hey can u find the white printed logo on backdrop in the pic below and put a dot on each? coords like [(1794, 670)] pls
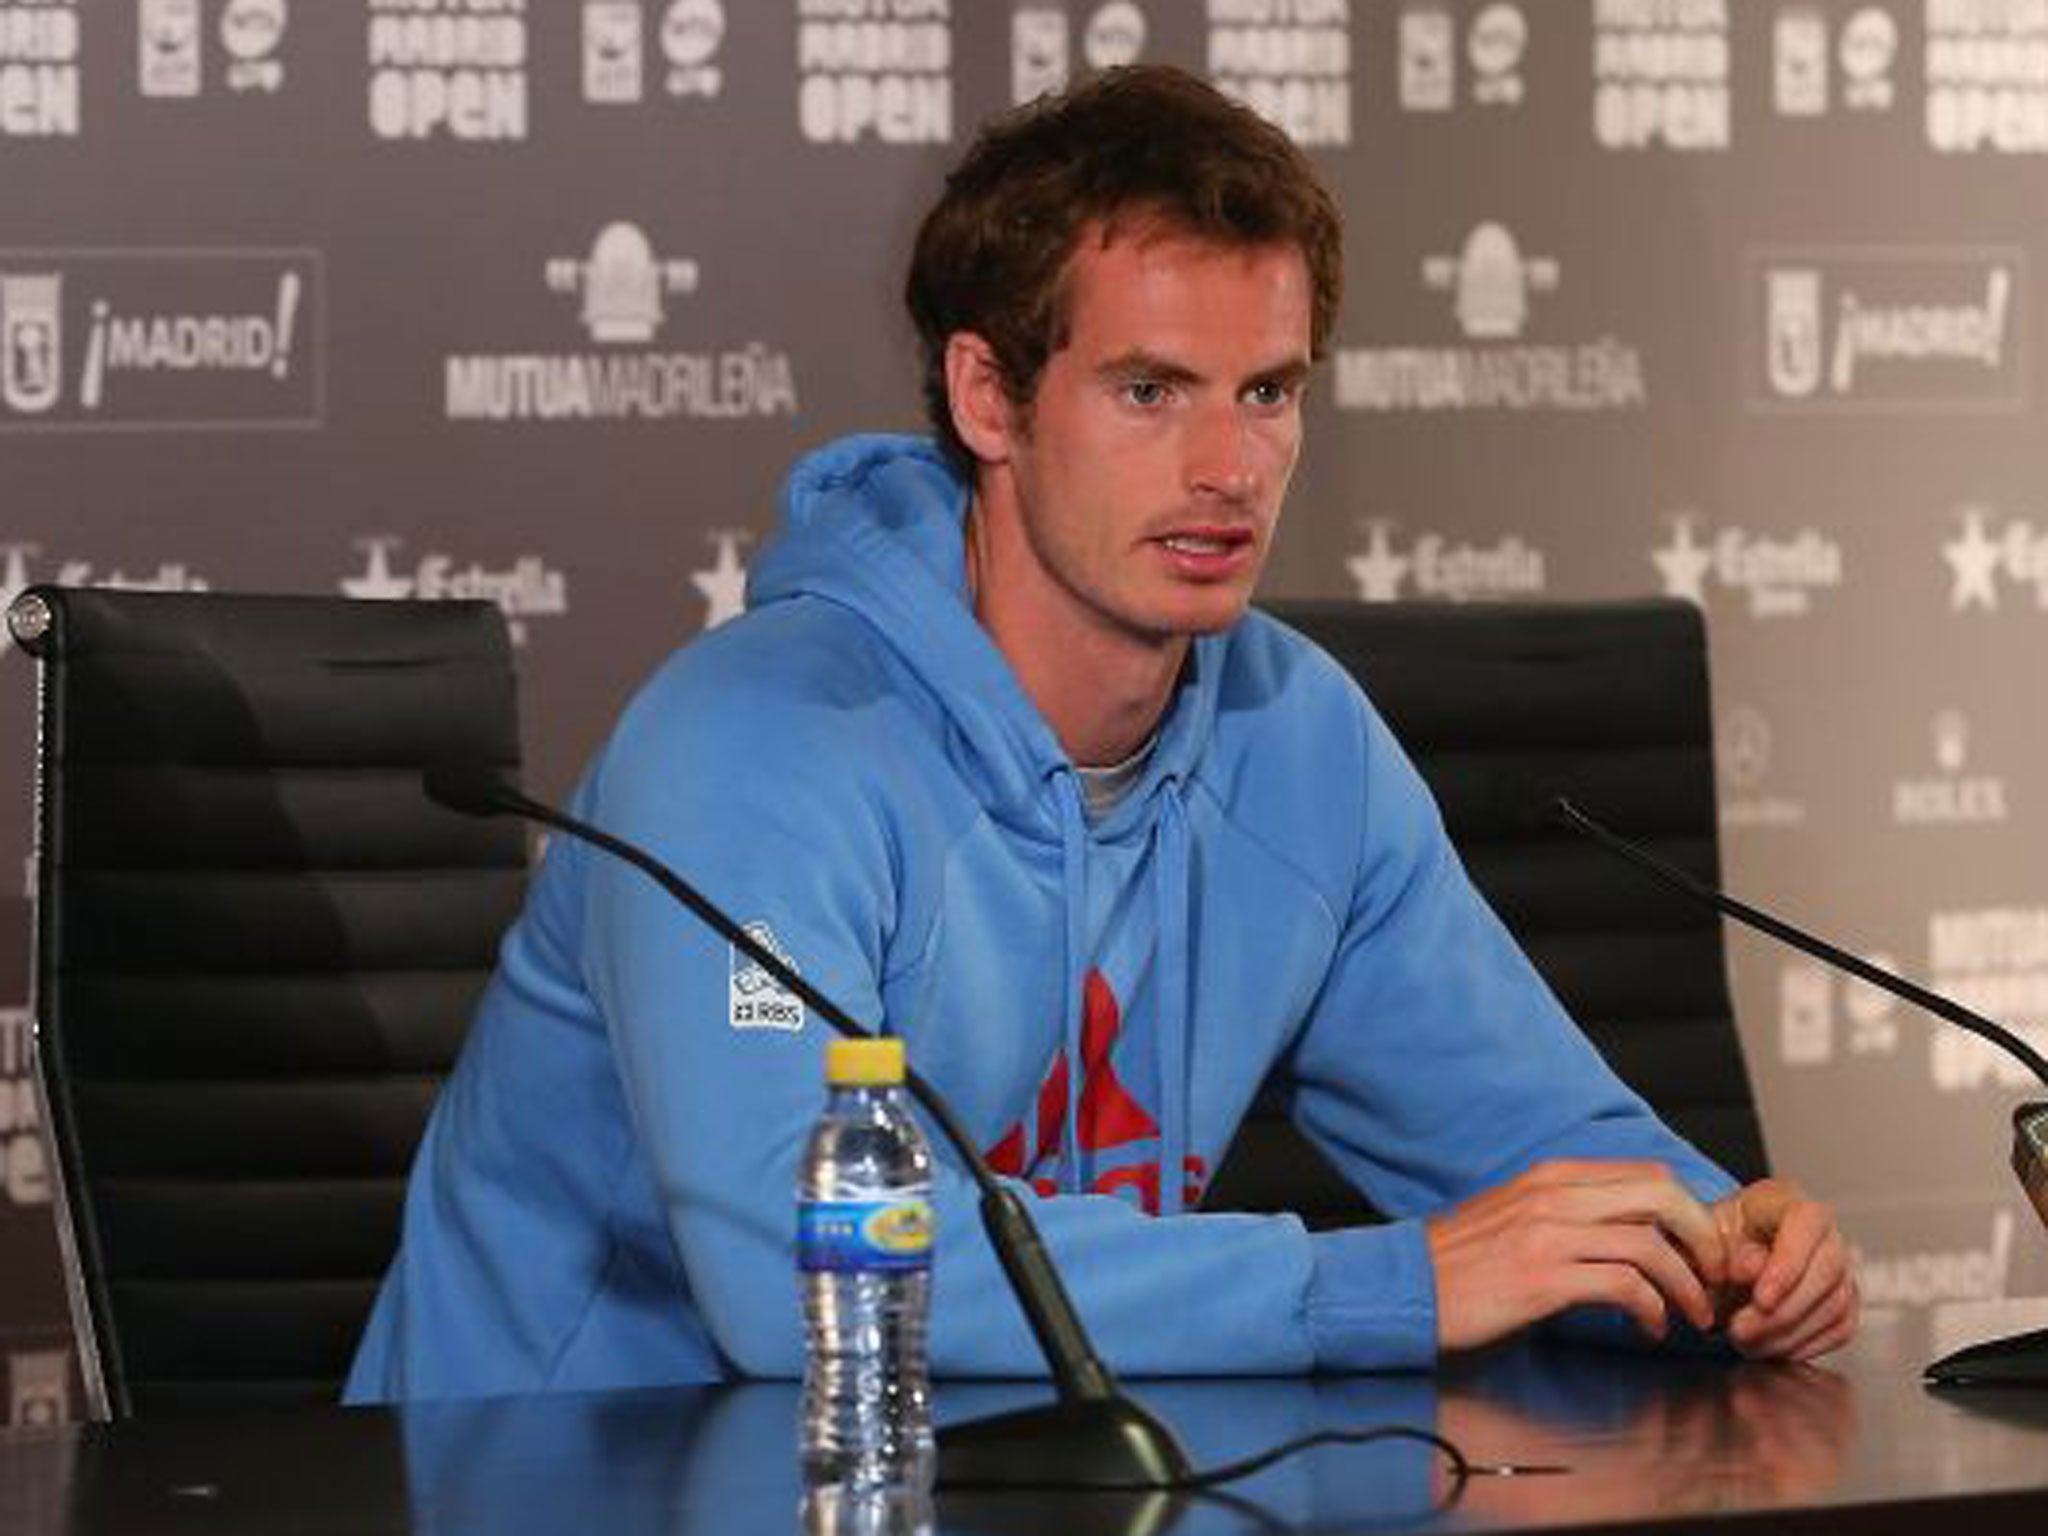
[(252, 31), (160, 338), (887, 81), (1428, 57), (1888, 329), (1804, 60), (1745, 752), (1778, 576), (1041, 48), (170, 46), (1494, 46), (1039, 64), (621, 291), (39, 69), (689, 34), (1987, 551), (1799, 61), (1813, 1000), (1290, 63), (1114, 36), (167, 47), (1925, 1277), (723, 584), (1993, 960), (18, 574), (1987, 76), (39, 1388), (1492, 287), (614, 51), (1952, 796), (453, 69), (1660, 74), (24, 1158), (529, 588), (1451, 570)]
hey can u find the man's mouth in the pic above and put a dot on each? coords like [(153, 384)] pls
[(1206, 541), (1209, 554)]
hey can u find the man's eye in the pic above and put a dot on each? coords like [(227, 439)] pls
[(1269, 392), (1145, 392)]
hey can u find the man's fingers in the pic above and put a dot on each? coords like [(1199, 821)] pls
[(1624, 1287), (1662, 1201), (1798, 1237), (1829, 1327), (1791, 1331), (1572, 1233), (1827, 1265)]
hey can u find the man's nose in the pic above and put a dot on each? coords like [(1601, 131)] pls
[(1220, 456)]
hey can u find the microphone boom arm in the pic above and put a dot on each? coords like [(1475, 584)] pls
[(1806, 943)]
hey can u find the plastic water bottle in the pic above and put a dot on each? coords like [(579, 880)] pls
[(864, 1248)]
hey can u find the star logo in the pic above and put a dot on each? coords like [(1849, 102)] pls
[(1973, 559), (1742, 748), (377, 580), (1683, 563), (1379, 571), (725, 585)]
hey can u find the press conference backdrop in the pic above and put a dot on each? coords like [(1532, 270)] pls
[(535, 300)]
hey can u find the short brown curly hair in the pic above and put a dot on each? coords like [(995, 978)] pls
[(1144, 142)]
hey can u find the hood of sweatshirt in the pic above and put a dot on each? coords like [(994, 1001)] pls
[(876, 524)]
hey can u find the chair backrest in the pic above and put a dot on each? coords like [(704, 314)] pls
[(1503, 706), (257, 947)]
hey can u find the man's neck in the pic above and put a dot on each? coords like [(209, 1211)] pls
[(1103, 690)]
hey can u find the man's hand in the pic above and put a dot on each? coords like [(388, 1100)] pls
[(1624, 1234), (1790, 1293)]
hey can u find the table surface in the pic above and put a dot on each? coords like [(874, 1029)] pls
[(1856, 1446)]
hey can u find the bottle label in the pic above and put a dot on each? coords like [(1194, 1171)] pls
[(863, 1235)]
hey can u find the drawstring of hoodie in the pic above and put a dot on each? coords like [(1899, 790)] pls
[(1170, 891), (1073, 968)]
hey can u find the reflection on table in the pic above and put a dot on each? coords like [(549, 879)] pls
[(1857, 1447)]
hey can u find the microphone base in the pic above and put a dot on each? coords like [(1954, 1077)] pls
[(2019, 1361), (1100, 1442)]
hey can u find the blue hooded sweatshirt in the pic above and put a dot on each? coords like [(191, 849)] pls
[(604, 1196)]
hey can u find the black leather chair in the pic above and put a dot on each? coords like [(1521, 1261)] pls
[(1503, 706), (257, 947)]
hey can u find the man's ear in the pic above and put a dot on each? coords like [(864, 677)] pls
[(982, 413)]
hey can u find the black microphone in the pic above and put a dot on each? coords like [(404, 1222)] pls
[(2023, 1358), (1094, 1436)]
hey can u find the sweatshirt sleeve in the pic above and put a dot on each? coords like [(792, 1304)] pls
[(722, 1098), (1436, 1062)]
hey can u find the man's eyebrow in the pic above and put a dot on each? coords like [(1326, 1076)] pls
[(1140, 364), (1290, 372)]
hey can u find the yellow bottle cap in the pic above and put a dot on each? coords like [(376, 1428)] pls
[(864, 1063)]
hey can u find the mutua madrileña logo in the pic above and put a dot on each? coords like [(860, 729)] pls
[(622, 292), (1493, 287)]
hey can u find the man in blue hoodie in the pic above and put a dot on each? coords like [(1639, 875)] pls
[(999, 757)]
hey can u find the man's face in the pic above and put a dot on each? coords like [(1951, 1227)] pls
[(1151, 464)]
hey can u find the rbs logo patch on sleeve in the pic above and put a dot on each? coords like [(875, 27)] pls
[(754, 999)]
